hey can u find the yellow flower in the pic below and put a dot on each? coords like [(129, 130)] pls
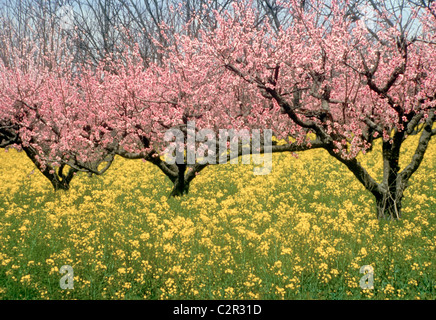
[(323, 266), (49, 261), (412, 282), (136, 254), (334, 272), (280, 291), (229, 292), (25, 279), (144, 236), (298, 269), (389, 289), (286, 251)]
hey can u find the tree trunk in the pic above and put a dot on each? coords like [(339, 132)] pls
[(389, 200), (389, 206), (57, 183), (58, 180), (181, 186)]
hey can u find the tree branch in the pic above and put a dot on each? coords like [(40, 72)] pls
[(418, 156), (359, 172)]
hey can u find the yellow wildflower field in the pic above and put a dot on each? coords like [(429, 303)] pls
[(302, 232)]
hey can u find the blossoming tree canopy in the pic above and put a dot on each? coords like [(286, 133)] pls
[(48, 115), (334, 76), (73, 115)]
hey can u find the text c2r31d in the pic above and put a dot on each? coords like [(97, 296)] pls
[(236, 309)]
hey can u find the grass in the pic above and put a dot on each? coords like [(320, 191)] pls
[(301, 232)]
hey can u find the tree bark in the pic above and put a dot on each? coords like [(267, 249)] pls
[(389, 205), (58, 180), (180, 187), (185, 176)]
